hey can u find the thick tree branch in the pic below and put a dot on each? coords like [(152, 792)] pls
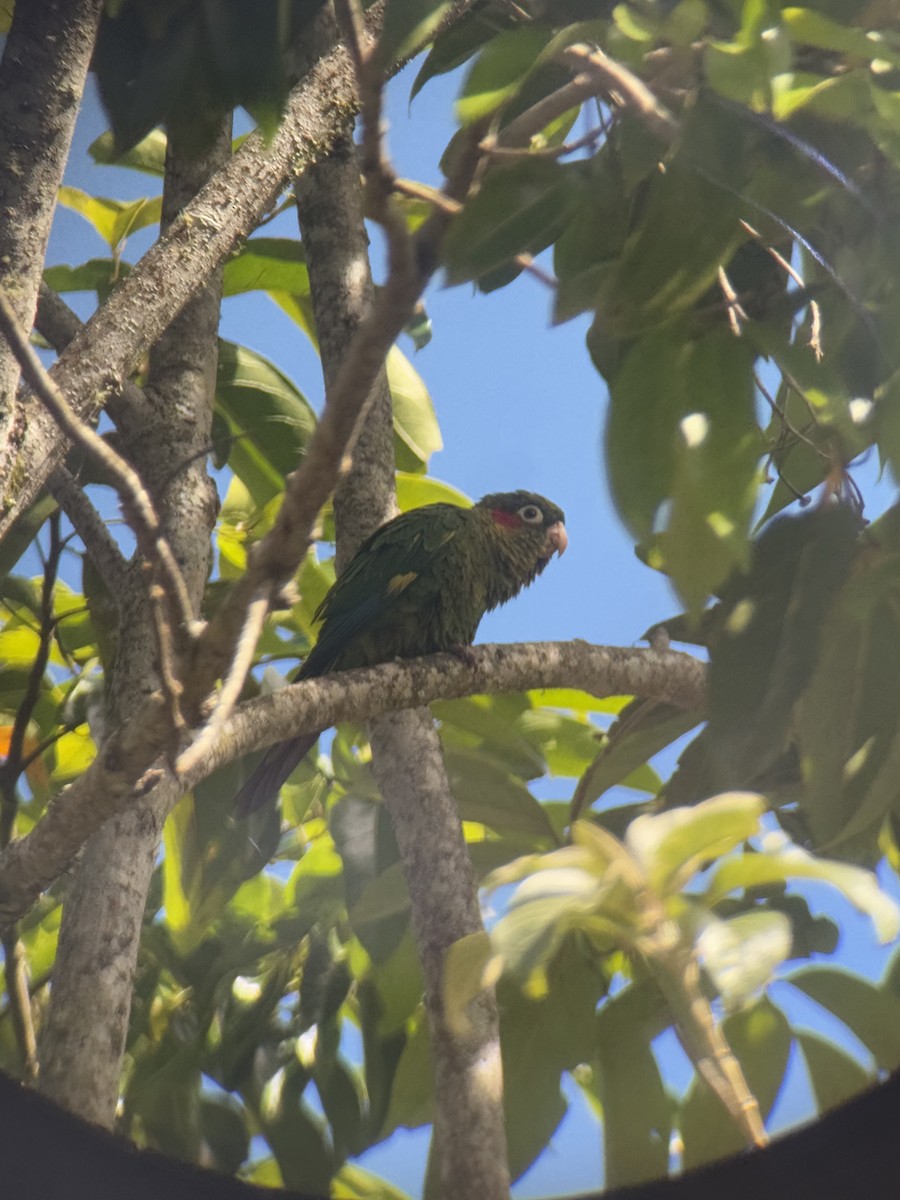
[(369, 692), (58, 324), (90, 527), (102, 356), (469, 1140), (42, 76), (469, 1131), (83, 1035), (139, 509), (34, 861)]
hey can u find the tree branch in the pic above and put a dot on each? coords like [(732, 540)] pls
[(45, 62), (34, 861), (90, 527), (85, 1027), (100, 358), (137, 505)]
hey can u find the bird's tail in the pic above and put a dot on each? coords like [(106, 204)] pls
[(265, 783)]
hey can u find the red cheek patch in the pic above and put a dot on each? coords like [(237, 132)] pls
[(511, 520)]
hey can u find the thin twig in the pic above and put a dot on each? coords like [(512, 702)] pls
[(735, 312), (91, 528), (421, 191), (14, 956), (136, 502), (815, 313), (11, 769), (257, 611), (16, 971), (624, 87), (522, 129), (172, 688), (495, 148)]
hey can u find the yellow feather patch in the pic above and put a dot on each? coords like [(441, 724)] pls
[(399, 582)]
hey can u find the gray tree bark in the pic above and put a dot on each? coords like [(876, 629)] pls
[(469, 1133), (83, 1037), (42, 77)]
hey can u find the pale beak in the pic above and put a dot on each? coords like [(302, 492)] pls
[(557, 539), (554, 543)]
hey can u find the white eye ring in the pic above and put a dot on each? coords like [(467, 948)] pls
[(531, 513)]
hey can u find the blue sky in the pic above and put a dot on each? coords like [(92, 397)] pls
[(520, 405)]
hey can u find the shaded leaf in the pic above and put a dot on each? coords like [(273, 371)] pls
[(520, 208), (871, 1012)]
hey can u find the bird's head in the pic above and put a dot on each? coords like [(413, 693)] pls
[(536, 524)]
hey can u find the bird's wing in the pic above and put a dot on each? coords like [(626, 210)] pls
[(395, 556)]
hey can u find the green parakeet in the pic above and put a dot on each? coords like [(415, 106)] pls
[(421, 583)]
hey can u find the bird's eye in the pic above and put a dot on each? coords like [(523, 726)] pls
[(531, 513)]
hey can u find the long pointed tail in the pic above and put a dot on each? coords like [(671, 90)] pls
[(265, 783)]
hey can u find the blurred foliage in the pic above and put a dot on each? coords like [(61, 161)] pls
[(740, 280)]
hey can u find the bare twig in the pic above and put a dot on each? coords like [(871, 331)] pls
[(136, 502), (172, 688), (90, 527), (14, 957), (11, 769), (521, 129), (257, 611), (495, 149), (735, 312), (421, 191), (59, 324), (16, 972), (815, 314), (623, 87)]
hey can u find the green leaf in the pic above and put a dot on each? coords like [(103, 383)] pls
[(760, 1039), (270, 420), (114, 220), (628, 745), (767, 636), (24, 531), (223, 1128), (871, 1012), (834, 1075), (689, 228), (464, 973), (637, 1111), (408, 25), (540, 1039), (779, 862), (543, 910), (499, 71), (672, 846), (849, 737), (297, 1137), (520, 208), (742, 954), (812, 28), (490, 794), (455, 46), (681, 428), (96, 275), (353, 1182), (417, 434), (149, 155), (415, 490), (267, 264)]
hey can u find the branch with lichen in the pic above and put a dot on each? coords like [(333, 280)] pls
[(128, 759)]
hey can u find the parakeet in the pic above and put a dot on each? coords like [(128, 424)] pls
[(421, 583)]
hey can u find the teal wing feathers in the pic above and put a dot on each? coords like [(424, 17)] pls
[(404, 555)]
